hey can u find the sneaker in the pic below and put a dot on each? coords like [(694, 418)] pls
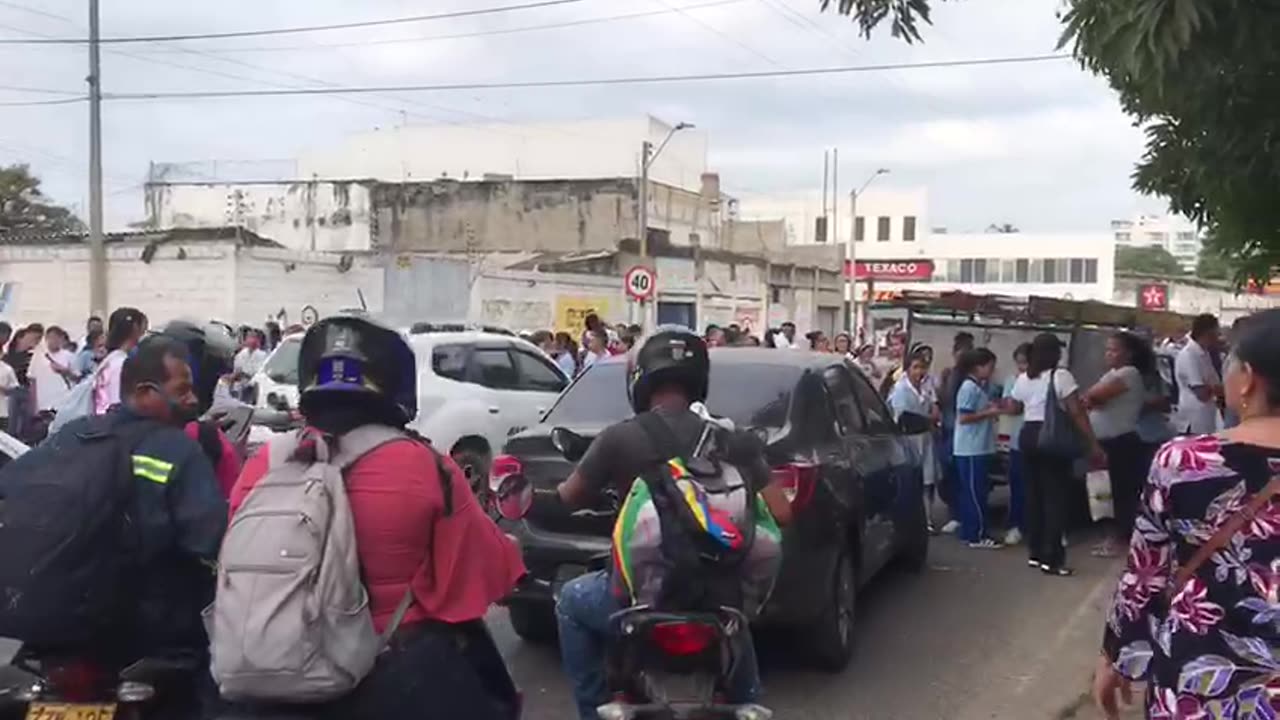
[(932, 530), (1034, 564), (1013, 537), (985, 544), (1057, 571), (951, 527)]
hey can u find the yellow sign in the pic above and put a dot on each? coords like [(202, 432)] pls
[(572, 311), (65, 711)]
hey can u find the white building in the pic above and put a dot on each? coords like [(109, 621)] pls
[(1174, 233), (888, 214), (1074, 267)]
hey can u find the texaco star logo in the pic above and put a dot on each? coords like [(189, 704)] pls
[(1153, 297)]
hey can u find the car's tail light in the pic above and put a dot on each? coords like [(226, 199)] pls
[(798, 481), (683, 638), (75, 680), (503, 467)]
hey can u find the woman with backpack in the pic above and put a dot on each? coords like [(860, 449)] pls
[(429, 558)]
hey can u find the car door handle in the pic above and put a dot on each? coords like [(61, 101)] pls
[(493, 410)]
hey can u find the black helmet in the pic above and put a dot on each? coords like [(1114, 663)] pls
[(211, 353), (358, 356), (672, 354)]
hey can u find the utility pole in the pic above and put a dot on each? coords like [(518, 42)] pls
[(851, 317), (97, 248), (835, 194), (646, 149)]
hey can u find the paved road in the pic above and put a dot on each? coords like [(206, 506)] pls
[(977, 636)]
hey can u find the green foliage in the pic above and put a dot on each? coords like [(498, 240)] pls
[(23, 207), (904, 16), (1147, 261), (1212, 266)]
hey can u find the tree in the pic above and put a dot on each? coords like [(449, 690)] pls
[(1212, 266), (24, 208), (1147, 261), (1199, 77)]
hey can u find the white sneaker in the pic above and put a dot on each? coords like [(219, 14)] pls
[(951, 527), (1013, 537)]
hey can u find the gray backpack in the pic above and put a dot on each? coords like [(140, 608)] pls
[(290, 621)]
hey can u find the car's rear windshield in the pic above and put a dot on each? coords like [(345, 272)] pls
[(751, 394), (282, 366)]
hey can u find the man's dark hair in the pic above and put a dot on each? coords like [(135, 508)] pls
[(710, 329), (1046, 353), (55, 330), (146, 365), (124, 321), (1024, 350), (962, 341), (93, 319), (1202, 324), (540, 336), (789, 324)]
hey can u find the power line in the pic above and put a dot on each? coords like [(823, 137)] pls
[(40, 91), (295, 30), (474, 34), (719, 33), (34, 103), (637, 80)]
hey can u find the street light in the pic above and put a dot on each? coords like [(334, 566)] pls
[(850, 256), (647, 156)]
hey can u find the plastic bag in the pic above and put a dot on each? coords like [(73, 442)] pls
[(1098, 484)]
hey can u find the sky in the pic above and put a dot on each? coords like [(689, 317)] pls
[(1043, 146)]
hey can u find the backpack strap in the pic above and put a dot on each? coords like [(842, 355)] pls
[(663, 438), (1229, 527)]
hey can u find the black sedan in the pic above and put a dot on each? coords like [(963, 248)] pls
[(851, 473)]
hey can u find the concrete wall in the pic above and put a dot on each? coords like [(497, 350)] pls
[(534, 151), (202, 281), (302, 215), (1195, 298)]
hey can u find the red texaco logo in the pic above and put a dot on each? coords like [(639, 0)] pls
[(1154, 297)]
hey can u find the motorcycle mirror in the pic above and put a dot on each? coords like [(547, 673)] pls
[(514, 497), (568, 443)]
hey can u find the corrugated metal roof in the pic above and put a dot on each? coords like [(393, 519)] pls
[(215, 234)]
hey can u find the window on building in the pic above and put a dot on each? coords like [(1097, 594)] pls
[(966, 271), (1061, 270), (1077, 270), (979, 270), (820, 229), (1090, 270), (1050, 267), (1007, 271), (993, 270), (955, 270), (1021, 271), (909, 228), (1157, 238), (882, 228), (1186, 236), (859, 228), (1124, 237), (1037, 272)]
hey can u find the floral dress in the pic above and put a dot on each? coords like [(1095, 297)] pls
[(1212, 652)]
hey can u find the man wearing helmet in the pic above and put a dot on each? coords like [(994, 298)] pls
[(666, 373), (419, 531)]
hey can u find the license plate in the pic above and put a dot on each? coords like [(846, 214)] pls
[(71, 711)]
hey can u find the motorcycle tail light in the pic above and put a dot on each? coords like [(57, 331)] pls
[(76, 680), (798, 481), (680, 639)]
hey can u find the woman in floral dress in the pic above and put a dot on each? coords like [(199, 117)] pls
[(1213, 650)]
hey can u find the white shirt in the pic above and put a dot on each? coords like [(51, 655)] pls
[(51, 387), (249, 362), (589, 358), (1033, 393), (8, 381), (106, 386), (1193, 369)]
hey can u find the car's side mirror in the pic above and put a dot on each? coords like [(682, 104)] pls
[(914, 424), (514, 497), (570, 444)]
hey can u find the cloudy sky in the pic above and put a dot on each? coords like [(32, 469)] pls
[(1044, 146)]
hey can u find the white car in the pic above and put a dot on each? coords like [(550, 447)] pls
[(475, 388)]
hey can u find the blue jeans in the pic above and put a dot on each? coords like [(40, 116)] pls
[(583, 612), (970, 505), (1017, 490)]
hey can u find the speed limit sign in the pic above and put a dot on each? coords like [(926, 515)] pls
[(641, 282)]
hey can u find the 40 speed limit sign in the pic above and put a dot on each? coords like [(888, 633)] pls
[(641, 283)]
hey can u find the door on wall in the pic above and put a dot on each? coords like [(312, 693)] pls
[(677, 313)]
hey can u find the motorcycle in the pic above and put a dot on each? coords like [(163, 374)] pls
[(661, 665), (35, 687)]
